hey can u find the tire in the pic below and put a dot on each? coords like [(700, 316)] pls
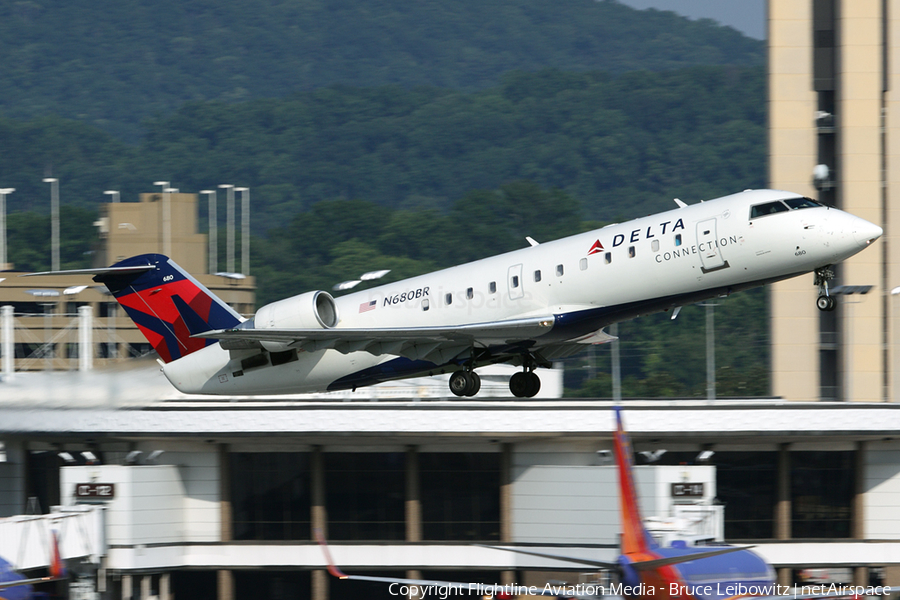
[(534, 385), (519, 385), (459, 383), (825, 303), (474, 383)]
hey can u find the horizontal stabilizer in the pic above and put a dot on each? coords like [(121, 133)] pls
[(579, 561), (648, 565), (131, 269)]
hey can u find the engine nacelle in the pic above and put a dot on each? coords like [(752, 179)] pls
[(312, 310)]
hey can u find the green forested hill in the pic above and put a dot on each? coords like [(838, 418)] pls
[(623, 145), (112, 63)]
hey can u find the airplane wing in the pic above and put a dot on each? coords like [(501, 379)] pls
[(440, 343)]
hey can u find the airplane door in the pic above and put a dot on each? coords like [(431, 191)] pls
[(708, 247), (514, 282)]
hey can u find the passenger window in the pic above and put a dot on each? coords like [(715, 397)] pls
[(654, 245), (449, 298), (582, 264), (769, 208), (559, 270), (630, 251), (677, 239), (515, 281), (470, 293), (608, 257), (425, 304), (493, 287), (537, 275)]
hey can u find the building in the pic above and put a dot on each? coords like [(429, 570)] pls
[(219, 499), (45, 329), (833, 108)]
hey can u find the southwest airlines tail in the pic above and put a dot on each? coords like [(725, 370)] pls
[(57, 568), (635, 537), (166, 303)]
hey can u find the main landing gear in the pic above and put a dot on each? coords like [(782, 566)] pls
[(465, 383), (525, 384), (825, 301)]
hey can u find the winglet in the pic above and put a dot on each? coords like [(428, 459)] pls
[(680, 203), (332, 569)]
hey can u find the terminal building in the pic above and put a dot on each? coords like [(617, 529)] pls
[(158, 494)]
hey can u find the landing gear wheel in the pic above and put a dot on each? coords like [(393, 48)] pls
[(475, 383), (822, 276), (825, 303), (524, 385), (465, 383)]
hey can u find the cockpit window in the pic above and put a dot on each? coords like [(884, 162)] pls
[(769, 208), (796, 203)]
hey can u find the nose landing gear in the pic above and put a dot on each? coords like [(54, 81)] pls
[(825, 301)]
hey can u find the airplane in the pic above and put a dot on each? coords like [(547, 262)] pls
[(14, 586), (527, 307), (644, 569)]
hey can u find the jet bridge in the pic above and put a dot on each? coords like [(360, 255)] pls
[(25, 540)]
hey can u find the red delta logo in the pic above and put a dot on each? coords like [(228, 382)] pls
[(597, 247)]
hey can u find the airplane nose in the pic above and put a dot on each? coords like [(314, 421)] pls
[(866, 233)]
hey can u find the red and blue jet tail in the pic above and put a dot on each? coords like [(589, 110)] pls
[(166, 303)]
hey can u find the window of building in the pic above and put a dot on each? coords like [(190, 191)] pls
[(749, 516), (583, 264), (537, 275), (270, 495), (365, 495), (460, 495), (492, 287), (821, 494), (559, 270)]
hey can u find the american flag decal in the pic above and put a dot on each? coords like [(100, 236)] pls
[(367, 306)]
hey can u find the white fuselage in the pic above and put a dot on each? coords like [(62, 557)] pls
[(602, 276)]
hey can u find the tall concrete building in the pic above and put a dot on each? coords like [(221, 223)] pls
[(833, 101)]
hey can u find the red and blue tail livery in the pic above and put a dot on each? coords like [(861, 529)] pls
[(167, 304)]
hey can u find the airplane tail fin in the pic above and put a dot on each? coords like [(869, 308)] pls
[(57, 568), (166, 303), (635, 537)]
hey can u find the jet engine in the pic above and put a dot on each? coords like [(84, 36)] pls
[(312, 310)]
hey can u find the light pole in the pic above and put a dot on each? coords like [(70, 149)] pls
[(4, 192), (229, 226), (114, 194), (166, 218), (245, 229), (54, 222), (213, 231)]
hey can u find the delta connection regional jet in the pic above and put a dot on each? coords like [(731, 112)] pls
[(528, 307)]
